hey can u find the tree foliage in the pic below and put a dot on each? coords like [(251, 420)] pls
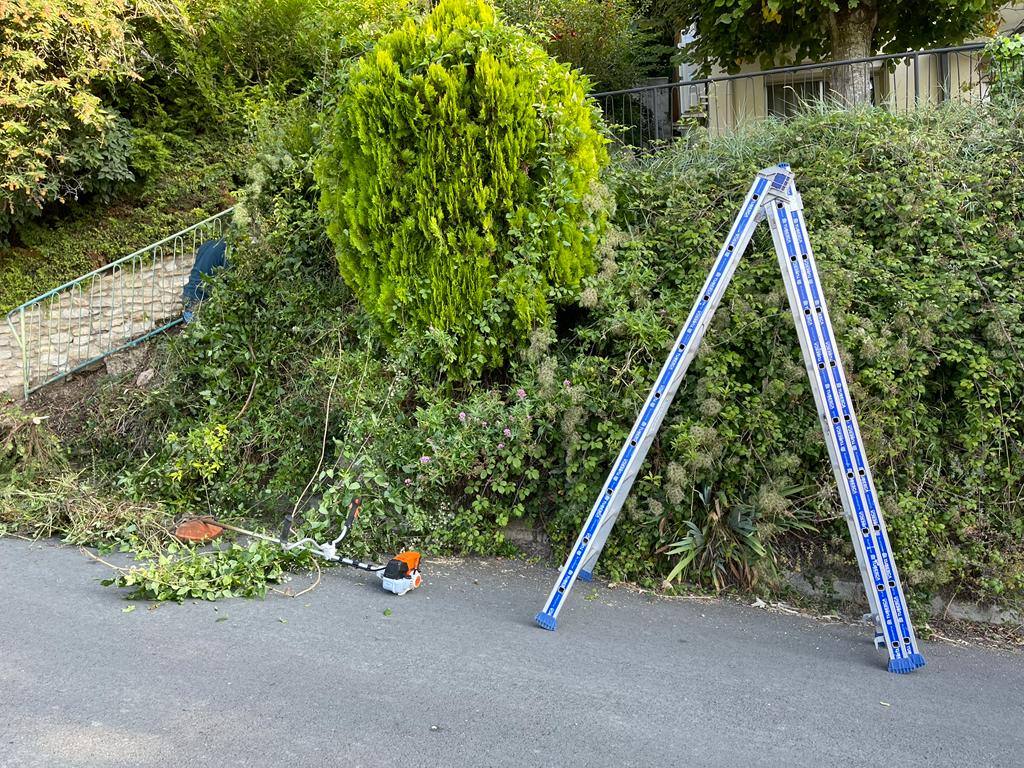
[(774, 32), (58, 139), (455, 178), (608, 40), (216, 61)]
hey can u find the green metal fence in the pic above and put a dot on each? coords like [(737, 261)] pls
[(109, 309)]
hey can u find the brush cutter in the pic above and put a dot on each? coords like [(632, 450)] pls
[(398, 576), (401, 573)]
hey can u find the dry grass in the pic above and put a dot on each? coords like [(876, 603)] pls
[(67, 507), (41, 496)]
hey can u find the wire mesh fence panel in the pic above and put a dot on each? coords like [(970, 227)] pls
[(109, 309)]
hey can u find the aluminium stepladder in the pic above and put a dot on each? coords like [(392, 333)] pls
[(773, 196)]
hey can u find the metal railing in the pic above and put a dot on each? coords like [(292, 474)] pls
[(655, 114), (109, 309)]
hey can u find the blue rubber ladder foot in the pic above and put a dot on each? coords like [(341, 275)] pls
[(585, 576), (907, 665), (546, 622)]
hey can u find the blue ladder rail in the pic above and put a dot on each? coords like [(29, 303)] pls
[(625, 468), (842, 432), (773, 196)]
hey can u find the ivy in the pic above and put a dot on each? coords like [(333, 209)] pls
[(1006, 66)]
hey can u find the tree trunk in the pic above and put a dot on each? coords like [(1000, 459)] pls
[(852, 30)]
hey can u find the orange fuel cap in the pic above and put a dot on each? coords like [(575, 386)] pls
[(411, 559)]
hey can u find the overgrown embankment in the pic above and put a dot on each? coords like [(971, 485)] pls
[(195, 180), (121, 122), (290, 388), (917, 225)]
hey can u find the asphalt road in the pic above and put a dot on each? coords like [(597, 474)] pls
[(458, 675)]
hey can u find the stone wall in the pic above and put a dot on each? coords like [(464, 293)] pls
[(10, 363), (89, 320)]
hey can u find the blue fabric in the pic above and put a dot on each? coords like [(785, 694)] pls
[(210, 256)]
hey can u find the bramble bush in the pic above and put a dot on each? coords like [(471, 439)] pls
[(456, 177), (919, 243)]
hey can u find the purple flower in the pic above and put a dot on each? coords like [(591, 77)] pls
[(566, 384), (462, 417), (507, 432), (500, 446), (424, 459), (521, 393), (408, 481)]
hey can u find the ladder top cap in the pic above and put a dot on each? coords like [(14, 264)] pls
[(778, 176)]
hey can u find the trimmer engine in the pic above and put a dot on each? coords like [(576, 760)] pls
[(402, 573)]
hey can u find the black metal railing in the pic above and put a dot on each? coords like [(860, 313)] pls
[(651, 115)]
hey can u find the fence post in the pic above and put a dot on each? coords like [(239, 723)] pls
[(917, 79), (23, 343)]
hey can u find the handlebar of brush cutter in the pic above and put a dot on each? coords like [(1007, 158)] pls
[(353, 512)]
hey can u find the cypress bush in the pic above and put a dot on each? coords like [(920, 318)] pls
[(455, 178)]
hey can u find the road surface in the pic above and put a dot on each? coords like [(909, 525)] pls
[(458, 675)]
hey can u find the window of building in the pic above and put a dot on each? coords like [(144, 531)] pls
[(786, 98)]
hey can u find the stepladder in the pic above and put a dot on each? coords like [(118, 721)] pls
[(773, 197)]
